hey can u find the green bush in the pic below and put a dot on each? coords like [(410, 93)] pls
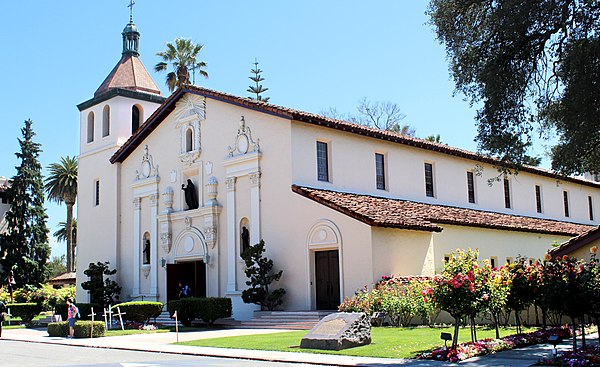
[(25, 311), (140, 311), (207, 309), (81, 329)]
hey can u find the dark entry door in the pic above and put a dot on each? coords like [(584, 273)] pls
[(327, 276), (190, 273)]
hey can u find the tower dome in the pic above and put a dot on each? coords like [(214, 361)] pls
[(131, 39)]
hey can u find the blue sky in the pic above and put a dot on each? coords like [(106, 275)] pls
[(314, 55)]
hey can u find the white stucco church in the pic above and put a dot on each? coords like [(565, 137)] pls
[(338, 204)]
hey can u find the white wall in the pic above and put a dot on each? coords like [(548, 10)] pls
[(352, 167)]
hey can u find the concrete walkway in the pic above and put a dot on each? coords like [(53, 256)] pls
[(161, 343)]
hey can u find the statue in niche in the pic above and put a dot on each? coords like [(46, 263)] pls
[(191, 195), (146, 251), (245, 239)]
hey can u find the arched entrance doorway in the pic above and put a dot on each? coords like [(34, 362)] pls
[(191, 257)]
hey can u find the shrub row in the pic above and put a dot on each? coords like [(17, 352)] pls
[(140, 311), (81, 329), (25, 311), (207, 309)]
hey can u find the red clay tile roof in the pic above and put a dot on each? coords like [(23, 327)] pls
[(129, 73), (64, 278), (577, 242), (169, 105), (398, 213)]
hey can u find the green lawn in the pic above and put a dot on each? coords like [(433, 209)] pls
[(386, 342), (133, 331)]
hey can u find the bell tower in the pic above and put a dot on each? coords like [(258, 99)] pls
[(119, 107)]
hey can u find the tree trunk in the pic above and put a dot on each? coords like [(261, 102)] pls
[(583, 332), (574, 334), (70, 247), (474, 328), (495, 317), (455, 338)]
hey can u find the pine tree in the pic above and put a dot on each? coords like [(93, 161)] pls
[(25, 244), (260, 273), (258, 88)]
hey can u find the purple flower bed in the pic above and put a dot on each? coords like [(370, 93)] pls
[(490, 346)]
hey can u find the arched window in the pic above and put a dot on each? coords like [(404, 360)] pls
[(189, 140), (90, 127), (136, 118), (106, 121), (146, 249)]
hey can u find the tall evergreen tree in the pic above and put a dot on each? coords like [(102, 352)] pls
[(257, 88), (25, 244)]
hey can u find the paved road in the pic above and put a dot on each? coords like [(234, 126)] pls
[(23, 354)]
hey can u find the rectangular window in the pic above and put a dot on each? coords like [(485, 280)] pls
[(590, 208), (380, 171), (97, 192), (507, 193), (493, 261), (538, 198), (509, 260), (471, 186), (429, 180), (566, 202), (322, 162), (446, 258)]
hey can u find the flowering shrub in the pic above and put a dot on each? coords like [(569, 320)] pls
[(580, 358), (401, 298)]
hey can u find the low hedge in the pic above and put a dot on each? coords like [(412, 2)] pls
[(81, 329), (140, 311), (85, 309), (25, 311), (207, 309)]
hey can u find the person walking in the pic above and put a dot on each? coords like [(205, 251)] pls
[(2, 315), (72, 314)]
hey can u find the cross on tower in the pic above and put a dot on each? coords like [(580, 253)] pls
[(130, 6)]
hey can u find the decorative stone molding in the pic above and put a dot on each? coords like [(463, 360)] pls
[(137, 203), (154, 200), (255, 179), (210, 235), (190, 105), (230, 183), (167, 196), (188, 222), (189, 158), (147, 167), (165, 241), (211, 189), (146, 270), (208, 168), (243, 141)]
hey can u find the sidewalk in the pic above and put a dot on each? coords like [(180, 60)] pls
[(160, 343)]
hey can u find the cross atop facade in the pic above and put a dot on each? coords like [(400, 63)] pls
[(130, 6)]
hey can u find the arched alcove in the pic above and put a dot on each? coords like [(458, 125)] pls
[(90, 127), (136, 117), (244, 235), (146, 249), (189, 140), (106, 121)]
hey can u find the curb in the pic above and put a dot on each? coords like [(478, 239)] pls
[(217, 355)]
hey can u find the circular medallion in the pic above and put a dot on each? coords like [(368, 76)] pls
[(188, 244), (322, 235), (242, 144), (146, 169)]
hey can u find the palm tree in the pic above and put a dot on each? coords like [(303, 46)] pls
[(61, 187), (61, 235), (184, 56)]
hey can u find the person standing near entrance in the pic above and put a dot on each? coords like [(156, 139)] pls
[(184, 291), (72, 314)]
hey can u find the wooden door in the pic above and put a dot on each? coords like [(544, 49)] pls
[(327, 277)]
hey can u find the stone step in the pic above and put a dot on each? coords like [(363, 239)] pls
[(299, 320)]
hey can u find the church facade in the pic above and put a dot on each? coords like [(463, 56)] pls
[(171, 190)]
